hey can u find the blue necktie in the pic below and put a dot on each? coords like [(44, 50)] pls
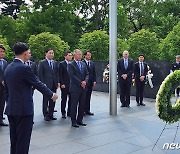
[(142, 69), (126, 64), (51, 64), (79, 65)]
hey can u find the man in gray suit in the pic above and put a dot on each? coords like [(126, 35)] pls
[(48, 74), (79, 76), (3, 65)]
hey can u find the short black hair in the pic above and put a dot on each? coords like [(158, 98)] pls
[(141, 55), (67, 52), (2, 47), (20, 48), (85, 53), (46, 51)]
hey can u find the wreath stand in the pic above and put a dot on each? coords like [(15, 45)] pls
[(165, 127)]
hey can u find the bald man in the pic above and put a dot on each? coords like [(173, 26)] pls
[(125, 70)]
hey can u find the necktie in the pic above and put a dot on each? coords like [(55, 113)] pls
[(88, 63), (126, 64), (142, 69), (51, 64), (79, 65), (1, 64), (28, 63)]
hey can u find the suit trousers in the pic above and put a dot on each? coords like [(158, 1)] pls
[(20, 133), (88, 99), (125, 90), (48, 104), (64, 94), (2, 101), (77, 101), (139, 91)]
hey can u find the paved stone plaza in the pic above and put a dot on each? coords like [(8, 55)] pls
[(133, 131)]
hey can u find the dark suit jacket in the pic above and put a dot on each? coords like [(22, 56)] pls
[(19, 80), (137, 70), (47, 75), (76, 77), (175, 66), (121, 69), (2, 71), (34, 67), (63, 74), (92, 73)]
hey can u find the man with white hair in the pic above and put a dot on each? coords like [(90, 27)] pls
[(125, 70), (79, 76)]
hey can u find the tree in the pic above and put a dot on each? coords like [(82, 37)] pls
[(41, 42), (8, 29), (170, 46), (56, 19), (139, 12), (92, 12), (98, 43), (144, 42), (11, 8), (9, 54)]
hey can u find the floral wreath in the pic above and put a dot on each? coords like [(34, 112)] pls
[(165, 110)]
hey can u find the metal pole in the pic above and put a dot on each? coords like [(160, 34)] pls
[(113, 56)]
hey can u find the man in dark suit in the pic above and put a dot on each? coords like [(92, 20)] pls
[(64, 84), (19, 80), (176, 66), (33, 66), (91, 82), (48, 74), (3, 65), (140, 72), (125, 70), (79, 76)]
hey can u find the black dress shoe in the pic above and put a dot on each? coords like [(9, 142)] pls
[(53, 118), (123, 106), (75, 125), (64, 116), (81, 124), (3, 124), (47, 119), (89, 113), (142, 104)]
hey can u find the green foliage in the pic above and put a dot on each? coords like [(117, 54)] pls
[(8, 29), (9, 54), (170, 46), (41, 42), (165, 110), (11, 7), (98, 43), (144, 42), (56, 19)]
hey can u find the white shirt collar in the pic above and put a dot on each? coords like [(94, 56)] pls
[(87, 61), (20, 60), (67, 62), (49, 60), (76, 61)]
